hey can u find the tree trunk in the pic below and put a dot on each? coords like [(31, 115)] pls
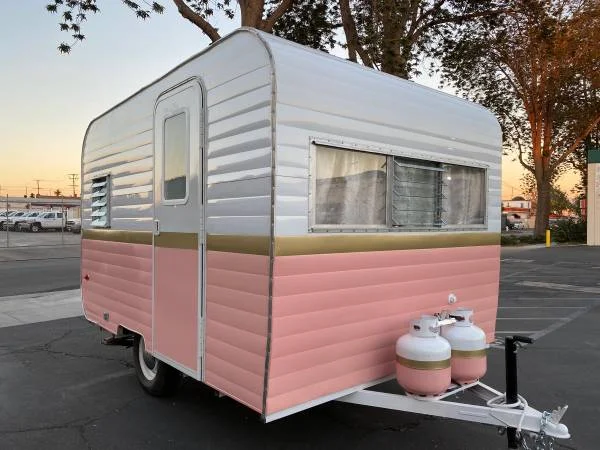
[(542, 210), (391, 56), (251, 12)]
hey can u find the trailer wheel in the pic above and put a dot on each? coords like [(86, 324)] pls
[(156, 377)]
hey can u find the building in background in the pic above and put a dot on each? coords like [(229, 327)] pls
[(517, 212), (592, 202)]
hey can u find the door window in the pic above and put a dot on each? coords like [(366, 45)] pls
[(175, 149)]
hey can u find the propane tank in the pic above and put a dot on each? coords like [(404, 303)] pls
[(468, 342), (423, 358)]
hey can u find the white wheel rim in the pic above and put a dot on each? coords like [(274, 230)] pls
[(143, 356)]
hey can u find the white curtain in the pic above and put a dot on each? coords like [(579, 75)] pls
[(351, 188), (465, 195)]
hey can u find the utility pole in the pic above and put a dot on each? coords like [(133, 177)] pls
[(38, 186), (74, 177)]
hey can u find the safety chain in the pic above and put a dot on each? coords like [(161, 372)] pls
[(541, 440)]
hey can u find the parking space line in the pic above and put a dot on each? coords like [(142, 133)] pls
[(530, 318), (549, 298), (542, 307), (559, 287), (516, 332), (102, 379), (555, 326), (515, 260)]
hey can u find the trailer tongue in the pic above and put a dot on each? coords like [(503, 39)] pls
[(509, 411)]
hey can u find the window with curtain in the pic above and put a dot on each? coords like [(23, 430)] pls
[(350, 188), (359, 189), (464, 202)]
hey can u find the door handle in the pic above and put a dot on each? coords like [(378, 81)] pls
[(156, 227)]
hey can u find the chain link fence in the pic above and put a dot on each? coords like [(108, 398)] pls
[(34, 222)]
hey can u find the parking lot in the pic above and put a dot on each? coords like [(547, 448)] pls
[(28, 239), (60, 388)]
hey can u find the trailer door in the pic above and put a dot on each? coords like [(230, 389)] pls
[(178, 228)]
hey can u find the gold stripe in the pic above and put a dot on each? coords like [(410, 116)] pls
[(301, 245), (255, 245), (176, 240), (373, 242), (129, 237), (165, 239), (423, 365), (469, 353)]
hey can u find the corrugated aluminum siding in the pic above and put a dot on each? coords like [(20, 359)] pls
[(325, 97), (237, 78)]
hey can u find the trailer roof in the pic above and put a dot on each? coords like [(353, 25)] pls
[(380, 97)]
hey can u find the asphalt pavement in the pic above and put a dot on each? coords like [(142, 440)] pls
[(26, 270), (61, 389)]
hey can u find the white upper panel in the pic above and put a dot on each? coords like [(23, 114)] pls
[(318, 96), (236, 77), (325, 98)]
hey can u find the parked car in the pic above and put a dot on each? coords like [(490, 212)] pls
[(4, 215), (13, 218), (48, 221), (14, 222), (74, 225), (23, 223)]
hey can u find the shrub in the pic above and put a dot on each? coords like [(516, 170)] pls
[(569, 230)]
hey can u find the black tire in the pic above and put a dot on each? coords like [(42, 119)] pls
[(35, 227), (156, 377)]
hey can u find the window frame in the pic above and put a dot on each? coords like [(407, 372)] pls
[(315, 143), (184, 200)]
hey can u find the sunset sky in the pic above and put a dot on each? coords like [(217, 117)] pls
[(49, 99)]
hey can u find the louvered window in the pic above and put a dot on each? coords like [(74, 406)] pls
[(100, 202), (418, 193)]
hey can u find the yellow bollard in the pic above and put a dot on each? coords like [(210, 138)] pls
[(547, 238)]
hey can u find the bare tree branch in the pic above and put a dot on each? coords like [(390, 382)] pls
[(282, 8), (198, 20)]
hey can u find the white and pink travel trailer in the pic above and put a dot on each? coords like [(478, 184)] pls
[(267, 219)]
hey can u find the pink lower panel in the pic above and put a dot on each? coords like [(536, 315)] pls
[(176, 305), (336, 317), (119, 285), (237, 290), (423, 382)]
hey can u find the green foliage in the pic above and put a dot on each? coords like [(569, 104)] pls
[(537, 66), (569, 230), (74, 12), (309, 22), (559, 202), (394, 35), (207, 8), (526, 239)]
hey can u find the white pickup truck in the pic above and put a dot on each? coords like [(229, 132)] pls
[(47, 221)]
